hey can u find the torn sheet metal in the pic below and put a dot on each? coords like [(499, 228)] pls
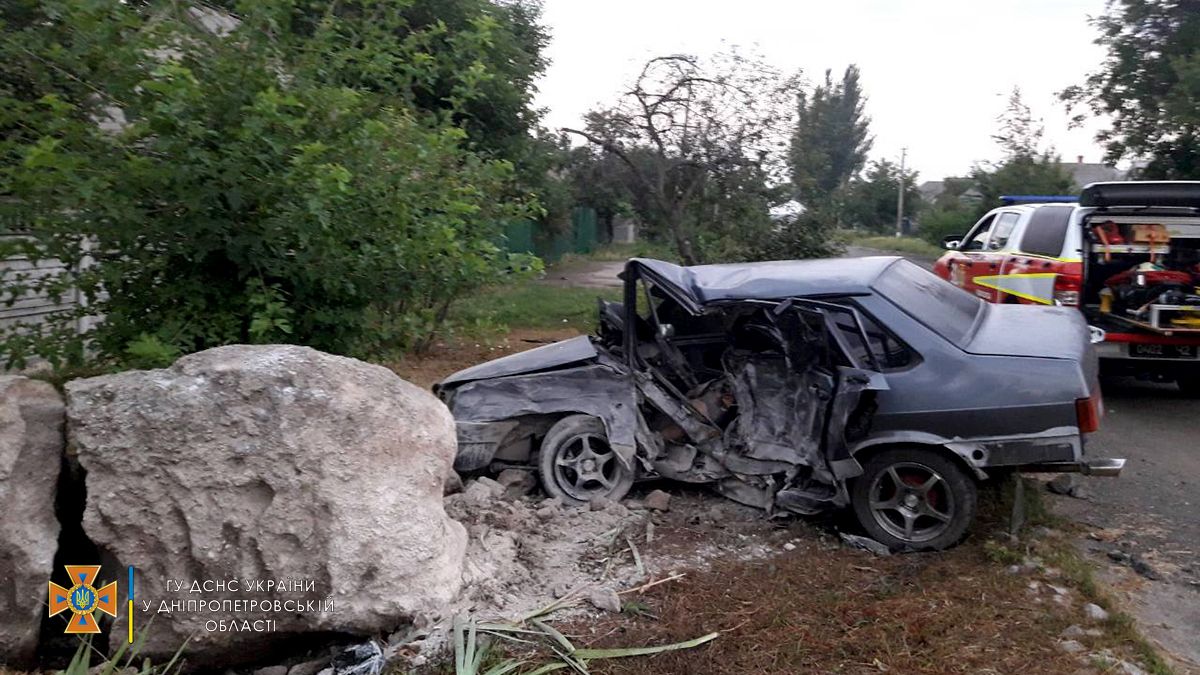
[(603, 390)]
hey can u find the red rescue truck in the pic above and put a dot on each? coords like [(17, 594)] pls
[(1127, 254)]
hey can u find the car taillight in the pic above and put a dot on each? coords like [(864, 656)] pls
[(1088, 412), (1066, 290)]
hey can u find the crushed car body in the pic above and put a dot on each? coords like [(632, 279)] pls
[(795, 385)]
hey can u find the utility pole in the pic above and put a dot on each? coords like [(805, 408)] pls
[(900, 196)]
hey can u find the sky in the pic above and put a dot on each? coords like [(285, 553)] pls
[(936, 73)]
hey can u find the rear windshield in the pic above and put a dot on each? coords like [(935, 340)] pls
[(943, 307), (1047, 230)]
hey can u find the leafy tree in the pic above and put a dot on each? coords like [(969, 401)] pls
[(208, 180), (831, 138), (870, 202), (1027, 167), (700, 139), (1149, 86)]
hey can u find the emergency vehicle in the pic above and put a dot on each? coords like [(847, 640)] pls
[(1127, 254)]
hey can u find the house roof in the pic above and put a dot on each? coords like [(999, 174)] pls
[(775, 280), (1085, 173)]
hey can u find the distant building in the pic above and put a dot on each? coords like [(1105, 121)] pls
[(1083, 173), (959, 187)]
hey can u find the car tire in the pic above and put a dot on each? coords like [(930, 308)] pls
[(1189, 385), (914, 499), (576, 463)]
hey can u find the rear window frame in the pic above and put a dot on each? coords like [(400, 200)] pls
[(893, 273)]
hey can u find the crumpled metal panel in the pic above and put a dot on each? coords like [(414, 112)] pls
[(604, 390), (781, 413)]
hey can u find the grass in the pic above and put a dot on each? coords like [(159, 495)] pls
[(619, 252), (531, 305), (909, 245)]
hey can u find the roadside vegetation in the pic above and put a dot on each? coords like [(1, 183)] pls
[(905, 245)]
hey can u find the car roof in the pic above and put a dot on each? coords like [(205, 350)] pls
[(772, 280)]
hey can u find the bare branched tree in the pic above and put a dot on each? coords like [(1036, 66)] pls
[(698, 136)]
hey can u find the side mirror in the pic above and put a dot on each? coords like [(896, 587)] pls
[(952, 242)]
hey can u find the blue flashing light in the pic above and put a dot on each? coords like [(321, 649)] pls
[(1009, 200)]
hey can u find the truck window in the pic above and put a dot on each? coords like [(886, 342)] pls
[(1047, 230), (978, 235), (1002, 230), (941, 306)]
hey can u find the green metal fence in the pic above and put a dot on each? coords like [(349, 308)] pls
[(581, 237)]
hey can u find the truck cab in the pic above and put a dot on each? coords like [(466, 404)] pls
[(1127, 254)]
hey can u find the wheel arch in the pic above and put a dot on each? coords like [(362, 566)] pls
[(863, 453)]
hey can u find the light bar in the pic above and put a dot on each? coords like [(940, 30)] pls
[(1009, 200)]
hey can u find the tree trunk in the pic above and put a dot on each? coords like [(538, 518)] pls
[(683, 243)]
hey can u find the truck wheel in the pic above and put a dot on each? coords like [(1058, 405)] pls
[(914, 499), (1189, 385), (576, 463)]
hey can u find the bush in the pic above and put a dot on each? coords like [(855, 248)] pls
[(267, 185), (938, 223)]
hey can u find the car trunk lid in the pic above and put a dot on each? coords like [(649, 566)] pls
[(1028, 330)]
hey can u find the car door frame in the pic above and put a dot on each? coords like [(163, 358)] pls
[(962, 266), (992, 259)]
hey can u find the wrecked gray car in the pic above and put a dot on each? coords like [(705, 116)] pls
[(797, 386)]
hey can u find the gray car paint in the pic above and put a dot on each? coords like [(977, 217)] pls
[(1007, 397)]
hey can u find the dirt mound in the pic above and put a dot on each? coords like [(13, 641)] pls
[(525, 553)]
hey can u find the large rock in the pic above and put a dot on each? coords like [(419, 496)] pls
[(31, 451), (296, 475)]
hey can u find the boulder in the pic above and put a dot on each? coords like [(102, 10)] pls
[(31, 452), (289, 490)]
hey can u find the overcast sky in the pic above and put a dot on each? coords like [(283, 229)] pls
[(936, 72)]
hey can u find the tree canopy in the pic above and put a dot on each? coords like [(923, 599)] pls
[(1148, 86), (700, 140), (831, 139)]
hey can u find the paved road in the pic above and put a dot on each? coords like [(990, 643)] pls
[(1152, 510)]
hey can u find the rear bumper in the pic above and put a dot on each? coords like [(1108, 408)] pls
[(1107, 467)]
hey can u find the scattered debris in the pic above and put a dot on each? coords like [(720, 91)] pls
[(1095, 612), (789, 546), (605, 599), (856, 541), (272, 670), (493, 486), (1069, 484), (1134, 561), (516, 482), (1144, 568), (1072, 631), (477, 493), (657, 501), (364, 659), (1071, 646)]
